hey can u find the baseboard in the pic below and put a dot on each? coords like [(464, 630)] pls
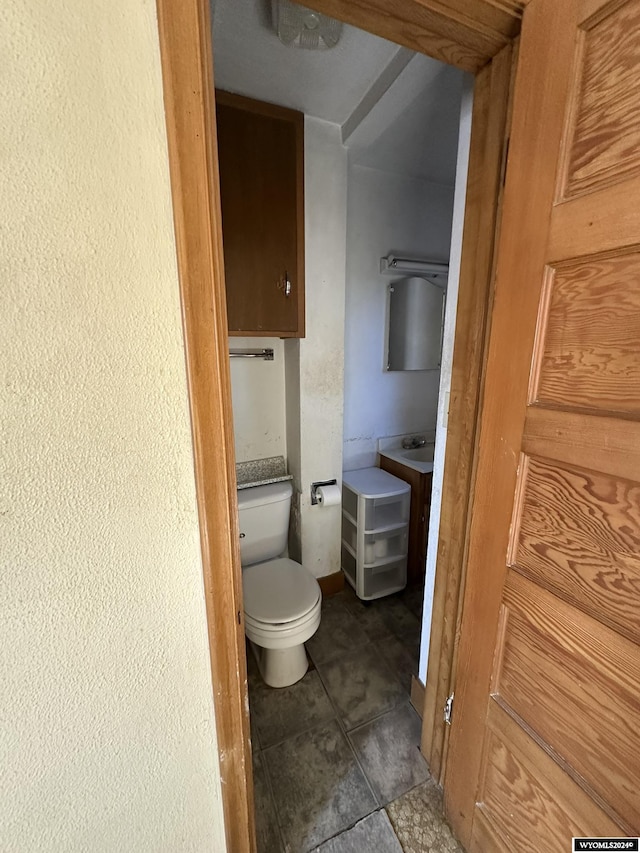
[(331, 584), (417, 695)]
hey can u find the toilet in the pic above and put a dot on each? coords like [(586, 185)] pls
[(282, 599)]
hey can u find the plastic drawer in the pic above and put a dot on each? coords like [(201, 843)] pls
[(385, 546), (385, 512), (348, 563), (349, 533), (350, 502), (383, 580)]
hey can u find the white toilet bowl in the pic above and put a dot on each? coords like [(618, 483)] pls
[(282, 602)]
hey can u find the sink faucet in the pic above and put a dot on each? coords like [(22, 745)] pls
[(413, 442)]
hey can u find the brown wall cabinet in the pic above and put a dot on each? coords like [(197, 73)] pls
[(419, 515), (261, 154)]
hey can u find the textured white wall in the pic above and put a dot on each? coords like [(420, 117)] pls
[(315, 364), (107, 738), (257, 386), (386, 213)]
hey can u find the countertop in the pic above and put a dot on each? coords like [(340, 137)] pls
[(261, 472), (403, 457)]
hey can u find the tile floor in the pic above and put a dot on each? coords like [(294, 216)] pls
[(334, 750)]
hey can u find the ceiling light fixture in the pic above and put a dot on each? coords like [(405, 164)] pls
[(299, 26)]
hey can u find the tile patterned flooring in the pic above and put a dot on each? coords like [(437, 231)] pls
[(337, 768)]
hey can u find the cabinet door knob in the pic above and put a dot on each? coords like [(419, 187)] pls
[(287, 284)]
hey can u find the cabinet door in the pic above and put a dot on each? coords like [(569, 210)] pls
[(261, 150)]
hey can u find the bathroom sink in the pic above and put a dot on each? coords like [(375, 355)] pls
[(418, 454), (418, 458)]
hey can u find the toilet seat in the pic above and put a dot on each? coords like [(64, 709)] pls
[(279, 595), (283, 636), (280, 627)]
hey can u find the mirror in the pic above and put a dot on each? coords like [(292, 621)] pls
[(416, 318)]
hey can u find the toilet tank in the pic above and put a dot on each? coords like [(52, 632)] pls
[(264, 521)]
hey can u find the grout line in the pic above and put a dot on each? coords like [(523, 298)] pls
[(376, 799), (347, 739), (274, 807), (405, 701), (378, 806), (383, 804), (346, 732), (338, 654), (306, 731)]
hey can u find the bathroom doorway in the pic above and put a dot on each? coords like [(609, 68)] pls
[(381, 155), (383, 122), (177, 32)]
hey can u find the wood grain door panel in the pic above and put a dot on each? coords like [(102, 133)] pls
[(546, 736), (590, 674), (509, 786), (589, 348), (518, 773), (603, 144), (594, 566)]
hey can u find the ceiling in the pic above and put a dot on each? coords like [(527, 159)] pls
[(398, 110), (413, 129)]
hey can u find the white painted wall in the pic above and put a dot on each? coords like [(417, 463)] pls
[(315, 363), (107, 736), (259, 418), (293, 406), (386, 213), (464, 140)]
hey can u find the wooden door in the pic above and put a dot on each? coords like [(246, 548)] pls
[(545, 740), (261, 155)]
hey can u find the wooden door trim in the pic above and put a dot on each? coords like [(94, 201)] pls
[(488, 148), (442, 29), (464, 33), (187, 67)]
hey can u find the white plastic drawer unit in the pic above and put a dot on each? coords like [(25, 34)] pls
[(385, 545), (381, 580), (375, 531)]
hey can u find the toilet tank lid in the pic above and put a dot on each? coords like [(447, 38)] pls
[(260, 495)]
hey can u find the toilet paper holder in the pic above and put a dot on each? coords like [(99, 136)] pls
[(316, 486)]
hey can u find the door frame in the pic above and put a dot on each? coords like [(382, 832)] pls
[(490, 127), (464, 33)]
